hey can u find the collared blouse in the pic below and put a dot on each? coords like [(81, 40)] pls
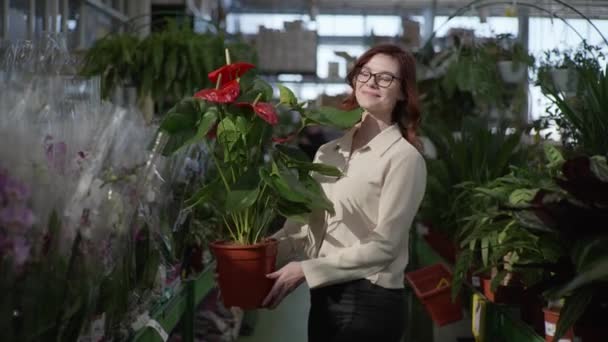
[(375, 201)]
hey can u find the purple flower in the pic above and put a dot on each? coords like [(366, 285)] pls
[(16, 217), (15, 190)]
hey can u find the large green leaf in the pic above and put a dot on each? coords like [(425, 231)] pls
[(294, 211), (522, 196), (228, 135), (282, 187), (244, 192), (204, 126), (206, 193), (324, 169), (318, 197), (183, 116), (332, 117), (287, 96), (553, 156), (573, 309)]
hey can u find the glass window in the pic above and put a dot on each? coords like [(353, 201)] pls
[(326, 54), (340, 25), (492, 26), (250, 23), (382, 25)]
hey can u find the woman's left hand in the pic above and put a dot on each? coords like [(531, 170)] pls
[(288, 278)]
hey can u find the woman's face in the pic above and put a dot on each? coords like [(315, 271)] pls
[(378, 85)]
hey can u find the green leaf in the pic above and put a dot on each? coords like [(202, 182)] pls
[(244, 192), (183, 116), (294, 211), (243, 126), (207, 121), (258, 86), (573, 309), (205, 193), (324, 169), (529, 220), (318, 198), (227, 134), (282, 187), (599, 167), (292, 153), (287, 96), (177, 140), (522, 196), (463, 264), (553, 155), (333, 117)]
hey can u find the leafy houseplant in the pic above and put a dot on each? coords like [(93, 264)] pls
[(553, 220), (476, 154), (166, 65), (583, 119), (254, 177)]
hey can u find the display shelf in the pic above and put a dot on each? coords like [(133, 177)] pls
[(501, 323), (180, 308)]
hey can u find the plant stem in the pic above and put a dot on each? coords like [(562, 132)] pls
[(217, 165)]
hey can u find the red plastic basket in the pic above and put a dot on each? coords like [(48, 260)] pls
[(433, 285)]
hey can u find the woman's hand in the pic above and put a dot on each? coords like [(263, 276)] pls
[(288, 278)]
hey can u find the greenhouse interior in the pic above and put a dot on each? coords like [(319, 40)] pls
[(304, 170)]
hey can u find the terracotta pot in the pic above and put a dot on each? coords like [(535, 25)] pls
[(242, 272), (433, 285), (551, 318)]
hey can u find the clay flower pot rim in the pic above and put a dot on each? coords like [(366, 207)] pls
[(229, 244)]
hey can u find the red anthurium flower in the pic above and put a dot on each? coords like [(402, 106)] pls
[(227, 93), (266, 111), (281, 140), (230, 72)]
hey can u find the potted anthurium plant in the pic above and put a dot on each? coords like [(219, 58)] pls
[(254, 174)]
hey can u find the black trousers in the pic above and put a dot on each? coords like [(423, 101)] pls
[(356, 311)]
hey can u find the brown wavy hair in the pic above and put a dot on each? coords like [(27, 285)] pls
[(406, 112)]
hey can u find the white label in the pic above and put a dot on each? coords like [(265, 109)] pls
[(549, 329), (476, 282)]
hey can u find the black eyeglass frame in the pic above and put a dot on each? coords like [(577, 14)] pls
[(375, 76)]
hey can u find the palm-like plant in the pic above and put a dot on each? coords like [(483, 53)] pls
[(477, 153)]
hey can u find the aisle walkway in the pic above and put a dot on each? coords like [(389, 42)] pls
[(285, 323)]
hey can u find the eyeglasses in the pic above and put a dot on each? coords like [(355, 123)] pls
[(382, 79)]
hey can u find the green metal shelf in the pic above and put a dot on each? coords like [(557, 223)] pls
[(180, 308), (502, 323)]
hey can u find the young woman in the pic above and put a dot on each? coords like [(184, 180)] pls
[(354, 260)]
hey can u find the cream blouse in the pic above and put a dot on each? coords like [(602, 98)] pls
[(375, 202)]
